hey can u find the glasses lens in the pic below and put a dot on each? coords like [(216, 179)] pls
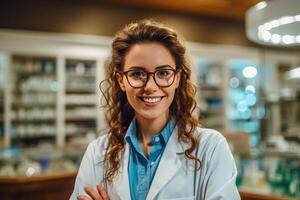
[(136, 78), (164, 77)]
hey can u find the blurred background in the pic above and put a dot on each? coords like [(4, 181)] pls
[(245, 57)]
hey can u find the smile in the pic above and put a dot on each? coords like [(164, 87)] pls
[(151, 100)]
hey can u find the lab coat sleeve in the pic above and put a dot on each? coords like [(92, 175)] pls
[(86, 173), (221, 174)]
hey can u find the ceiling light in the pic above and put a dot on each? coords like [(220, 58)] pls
[(293, 74), (274, 22), (276, 39), (288, 39), (298, 38)]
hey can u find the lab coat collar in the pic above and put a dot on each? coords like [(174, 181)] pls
[(121, 182)]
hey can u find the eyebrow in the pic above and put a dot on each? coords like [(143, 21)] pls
[(143, 68)]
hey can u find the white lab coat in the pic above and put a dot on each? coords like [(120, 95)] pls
[(175, 178)]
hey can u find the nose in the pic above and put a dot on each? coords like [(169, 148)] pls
[(150, 84)]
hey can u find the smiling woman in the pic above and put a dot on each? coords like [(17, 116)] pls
[(152, 98), (154, 147)]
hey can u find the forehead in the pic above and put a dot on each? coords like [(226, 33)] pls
[(148, 56)]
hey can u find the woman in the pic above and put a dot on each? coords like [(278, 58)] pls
[(154, 148)]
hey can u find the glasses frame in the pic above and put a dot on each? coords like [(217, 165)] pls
[(176, 71)]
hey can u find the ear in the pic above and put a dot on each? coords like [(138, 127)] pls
[(120, 81)]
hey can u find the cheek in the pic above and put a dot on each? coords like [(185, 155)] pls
[(171, 94), (131, 95)]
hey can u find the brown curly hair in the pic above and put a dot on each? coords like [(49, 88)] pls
[(120, 114)]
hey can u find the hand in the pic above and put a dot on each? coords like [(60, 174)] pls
[(100, 194)]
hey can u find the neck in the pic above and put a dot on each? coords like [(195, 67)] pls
[(149, 127)]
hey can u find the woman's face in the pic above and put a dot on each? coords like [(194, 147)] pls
[(150, 101)]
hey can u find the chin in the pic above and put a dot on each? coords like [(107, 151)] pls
[(151, 115)]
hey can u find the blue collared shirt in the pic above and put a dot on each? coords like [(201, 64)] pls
[(141, 170)]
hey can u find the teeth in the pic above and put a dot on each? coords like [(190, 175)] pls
[(151, 100)]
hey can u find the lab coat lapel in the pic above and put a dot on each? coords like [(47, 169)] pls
[(168, 166), (121, 182)]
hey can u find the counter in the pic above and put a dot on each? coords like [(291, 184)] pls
[(59, 186)]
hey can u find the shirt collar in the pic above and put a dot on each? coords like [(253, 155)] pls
[(131, 137)]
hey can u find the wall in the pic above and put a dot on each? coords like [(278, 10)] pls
[(92, 17)]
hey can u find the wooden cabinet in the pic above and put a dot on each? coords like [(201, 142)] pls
[(58, 186), (254, 196)]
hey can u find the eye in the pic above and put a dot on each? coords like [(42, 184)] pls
[(137, 74), (164, 73)]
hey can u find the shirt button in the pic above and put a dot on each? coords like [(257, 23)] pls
[(156, 139), (152, 163)]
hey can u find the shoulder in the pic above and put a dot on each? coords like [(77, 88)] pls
[(97, 148), (211, 136), (211, 144)]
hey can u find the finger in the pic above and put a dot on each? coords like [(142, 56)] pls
[(102, 192), (93, 193), (83, 197)]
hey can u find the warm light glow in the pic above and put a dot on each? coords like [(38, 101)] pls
[(30, 171)]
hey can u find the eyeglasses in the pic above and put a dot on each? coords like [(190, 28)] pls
[(138, 78)]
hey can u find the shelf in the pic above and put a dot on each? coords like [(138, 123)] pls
[(208, 113), (78, 119), (74, 75), (282, 101), (38, 120), (80, 99), (36, 136), (210, 87), (79, 91), (88, 104), (35, 105), (283, 154), (32, 140), (262, 153), (18, 92), (74, 134), (25, 75)]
